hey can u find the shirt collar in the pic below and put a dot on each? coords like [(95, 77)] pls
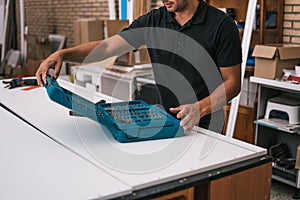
[(198, 17), (169, 15)]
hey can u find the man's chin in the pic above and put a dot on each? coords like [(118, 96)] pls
[(170, 9)]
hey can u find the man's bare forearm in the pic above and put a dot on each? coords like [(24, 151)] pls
[(222, 94), (96, 51), (78, 53)]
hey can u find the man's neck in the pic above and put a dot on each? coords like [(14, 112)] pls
[(183, 16)]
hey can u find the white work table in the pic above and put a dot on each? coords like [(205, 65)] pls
[(139, 165), (34, 167)]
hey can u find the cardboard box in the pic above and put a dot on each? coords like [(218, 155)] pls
[(32, 66), (13, 72), (270, 60), (28, 70), (132, 58), (112, 27), (141, 56), (297, 165), (140, 8), (37, 48), (91, 29), (88, 30)]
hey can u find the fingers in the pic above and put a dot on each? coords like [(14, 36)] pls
[(188, 114), (53, 61), (177, 110), (57, 69), (39, 76), (187, 121), (187, 127)]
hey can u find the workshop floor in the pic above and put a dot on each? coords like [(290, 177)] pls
[(281, 191)]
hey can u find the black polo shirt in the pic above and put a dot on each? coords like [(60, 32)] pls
[(186, 59)]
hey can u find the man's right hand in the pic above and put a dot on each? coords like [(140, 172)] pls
[(53, 61)]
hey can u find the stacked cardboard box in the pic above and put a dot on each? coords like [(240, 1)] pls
[(270, 60), (87, 30), (140, 8), (38, 49), (112, 27)]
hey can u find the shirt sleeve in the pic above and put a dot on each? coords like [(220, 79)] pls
[(134, 33), (229, 51)]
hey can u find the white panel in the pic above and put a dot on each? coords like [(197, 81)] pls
[(2, 9), (22, 33), (4, 33), (130, 8), (112, 9), (35, 167), (138, 164), (245, 48)]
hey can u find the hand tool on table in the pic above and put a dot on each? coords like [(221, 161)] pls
[(19, 82)]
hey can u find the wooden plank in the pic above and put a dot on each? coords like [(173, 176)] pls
[(2, 11), (187, 194), (254, 183), (244, 127)]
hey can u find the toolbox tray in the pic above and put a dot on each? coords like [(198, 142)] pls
[(128, 121)]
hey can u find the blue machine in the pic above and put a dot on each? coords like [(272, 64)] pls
[(128, 121)]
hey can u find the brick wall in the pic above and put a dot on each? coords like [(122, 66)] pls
[(291, 31), (56, 16)]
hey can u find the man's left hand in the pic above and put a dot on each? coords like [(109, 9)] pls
[(189, 115)]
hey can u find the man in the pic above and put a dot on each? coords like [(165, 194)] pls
[(186, 87)]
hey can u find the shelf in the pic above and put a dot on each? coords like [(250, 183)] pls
[(276, 130), (261, 35), (250, 69), (283, 180), (277, 125), (275, 83), (257, 30), (281, 171)]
